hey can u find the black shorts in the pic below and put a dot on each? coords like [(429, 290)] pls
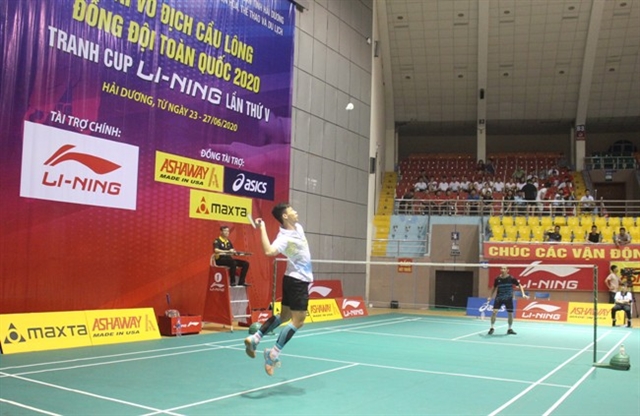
[(295, 293), (508, 304)]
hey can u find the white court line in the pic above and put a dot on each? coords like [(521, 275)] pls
[(24, 406), (502, 344), (97, 396), (209, 343), (549, 374), (484, 331), (583, 378), (215, 399), (48, 370), (415, 370)]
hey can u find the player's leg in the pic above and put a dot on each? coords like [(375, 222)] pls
[(297, 295), (615, 309), (509, 305), (496, 306)]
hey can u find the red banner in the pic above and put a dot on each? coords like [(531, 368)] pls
[(576, 253), (548, 276), (543, 311), (352, 307)]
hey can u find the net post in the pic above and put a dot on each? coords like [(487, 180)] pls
[(595, 314)]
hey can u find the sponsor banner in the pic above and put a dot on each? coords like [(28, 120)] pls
[(542, 310), (567, 253), (219, 207), (582, 313), (323, 310), (57, 330), (238, 182), (325, 289), (192, 173), (547, 276), (482, 307), (63, 166), (122, 325), (352, 307), (43, 331), (260, 316), (406, 266)]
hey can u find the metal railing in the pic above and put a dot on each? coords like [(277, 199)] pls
[(610, 162), (457, 207)]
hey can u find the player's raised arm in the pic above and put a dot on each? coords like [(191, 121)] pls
[(266, 244)]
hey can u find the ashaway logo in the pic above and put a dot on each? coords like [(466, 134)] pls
[(537, 310), (64, 166), (351, 308), (323, 291)]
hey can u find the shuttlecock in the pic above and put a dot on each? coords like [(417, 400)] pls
[(349, 107)]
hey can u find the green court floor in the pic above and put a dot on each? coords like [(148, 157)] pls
[(390, 364)]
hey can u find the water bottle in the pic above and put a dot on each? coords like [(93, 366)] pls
[(622, 350), (178, 327)]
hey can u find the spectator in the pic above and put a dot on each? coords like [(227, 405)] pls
[(498, 186), (405, 206), (540, 198), (454, 185), (464, 184), (623, 301), (587, 203), (508, 203), (553, 236), (421, 185), (480, 166), (613, 283), (557, 205), (622, 238), (519, 174), (530, 195), (519, 203), (594, 236), (487, 201), (489, 168), (472, 202)]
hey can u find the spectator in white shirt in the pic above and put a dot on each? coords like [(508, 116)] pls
[(587, 203), (454, 185)]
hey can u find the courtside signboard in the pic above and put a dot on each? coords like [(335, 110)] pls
[(352, 307), (24, 332), (28, 332), (122, 325)]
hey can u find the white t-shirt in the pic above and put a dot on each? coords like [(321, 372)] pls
[(627, 296), (294, 245)]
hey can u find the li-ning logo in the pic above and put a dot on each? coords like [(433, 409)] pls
[(321, 290), (96, 164), (355, 308), (544, 307), (560, 271), (217, 285)]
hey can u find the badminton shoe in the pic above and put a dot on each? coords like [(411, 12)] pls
[(511, 332), (270, 364), (491, 331), (250, 347)]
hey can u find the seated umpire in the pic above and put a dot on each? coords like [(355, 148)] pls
[(223, 249), (623, 303)]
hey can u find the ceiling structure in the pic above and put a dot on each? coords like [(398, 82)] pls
[(522, 66)]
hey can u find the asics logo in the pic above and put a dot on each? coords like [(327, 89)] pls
[(96, 164), (250, 185)]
